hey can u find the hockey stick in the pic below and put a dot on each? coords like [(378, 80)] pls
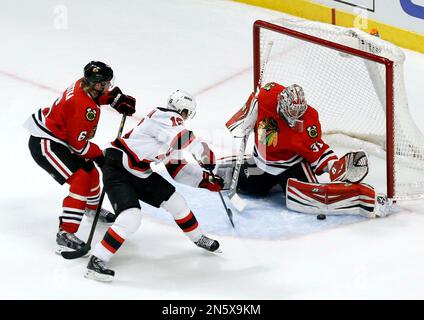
[(86, 248), (228, 210), (235, 199)]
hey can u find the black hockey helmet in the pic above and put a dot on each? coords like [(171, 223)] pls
[(96, 71)]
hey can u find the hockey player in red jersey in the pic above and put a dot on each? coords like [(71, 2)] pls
[(128, 178), (289, 151), (60, 144)]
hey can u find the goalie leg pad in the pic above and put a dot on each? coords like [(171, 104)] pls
[(331, 198)]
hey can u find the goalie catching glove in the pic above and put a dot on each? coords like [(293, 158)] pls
[(352, 167)]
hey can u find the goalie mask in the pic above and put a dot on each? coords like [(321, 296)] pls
[(291, 104), (180, 101)]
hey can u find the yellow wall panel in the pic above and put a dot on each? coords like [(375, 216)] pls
[(318, 12)]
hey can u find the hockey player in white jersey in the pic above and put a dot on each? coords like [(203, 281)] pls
[(128, 178)]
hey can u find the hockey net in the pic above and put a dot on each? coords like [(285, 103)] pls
[(355, 81)]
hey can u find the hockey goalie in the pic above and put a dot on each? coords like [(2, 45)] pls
[(289, 152)]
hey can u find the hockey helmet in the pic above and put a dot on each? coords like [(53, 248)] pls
[(180, 100), (291, 104), (96, 71)]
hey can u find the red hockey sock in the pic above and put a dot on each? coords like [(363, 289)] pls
[(73, 211), (75, 203), (94, 193)]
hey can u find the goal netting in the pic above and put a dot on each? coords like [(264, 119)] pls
[(355, 81)]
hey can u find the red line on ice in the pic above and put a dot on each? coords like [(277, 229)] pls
[(34, 83)]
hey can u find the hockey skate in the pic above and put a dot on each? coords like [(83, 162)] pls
[(208, 244), (67, 241), (105, 215), (96, 270)]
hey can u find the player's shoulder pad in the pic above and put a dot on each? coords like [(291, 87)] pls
[(311, 113), (272, 86), (167, 117), (312, 125)]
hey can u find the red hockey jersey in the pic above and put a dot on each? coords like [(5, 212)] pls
[(71, 120), (278, 146)]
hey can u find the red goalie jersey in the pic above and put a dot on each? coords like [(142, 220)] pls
[(72, 121), (278, 146)]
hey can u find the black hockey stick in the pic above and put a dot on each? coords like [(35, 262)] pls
[(86, 248), (228, 210)]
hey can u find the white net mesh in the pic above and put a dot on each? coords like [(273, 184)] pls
[(349, 92)]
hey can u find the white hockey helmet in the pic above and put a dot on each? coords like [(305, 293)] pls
[(180, 100), (291, 104)]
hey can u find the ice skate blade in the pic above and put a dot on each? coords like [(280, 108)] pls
[(90, 274), (216, 251)]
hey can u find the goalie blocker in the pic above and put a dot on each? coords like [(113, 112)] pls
[(336, 198)]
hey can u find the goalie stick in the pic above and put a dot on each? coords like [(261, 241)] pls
[(86, 248), (235, 199)]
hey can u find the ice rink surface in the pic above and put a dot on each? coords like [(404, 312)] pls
[(155, 47)]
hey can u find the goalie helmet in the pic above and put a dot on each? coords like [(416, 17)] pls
[(291, 104), (180, 101)]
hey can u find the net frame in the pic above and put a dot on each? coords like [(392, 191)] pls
[(389, 85)]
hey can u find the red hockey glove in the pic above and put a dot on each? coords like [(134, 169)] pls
[(208, 182)]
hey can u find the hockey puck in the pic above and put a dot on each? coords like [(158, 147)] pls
[(321, 217)]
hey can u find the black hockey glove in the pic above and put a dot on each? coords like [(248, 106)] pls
[(99, 160), (87, 165), (122, 103), (208, 166)]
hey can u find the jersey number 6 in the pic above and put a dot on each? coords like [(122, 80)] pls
[(82, 136)]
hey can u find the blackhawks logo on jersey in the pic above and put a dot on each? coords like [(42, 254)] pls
[(312, 131), (268, 132), (269, 85), (90, 114)]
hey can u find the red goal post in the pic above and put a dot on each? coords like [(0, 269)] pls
[(280, 30)]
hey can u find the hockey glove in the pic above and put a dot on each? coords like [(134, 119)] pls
[(207, 160), (122, 103), (99, 160), (352, 167), (208, 182), (87, 165)]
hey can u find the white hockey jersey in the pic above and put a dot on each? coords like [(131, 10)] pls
[(161, 136)]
